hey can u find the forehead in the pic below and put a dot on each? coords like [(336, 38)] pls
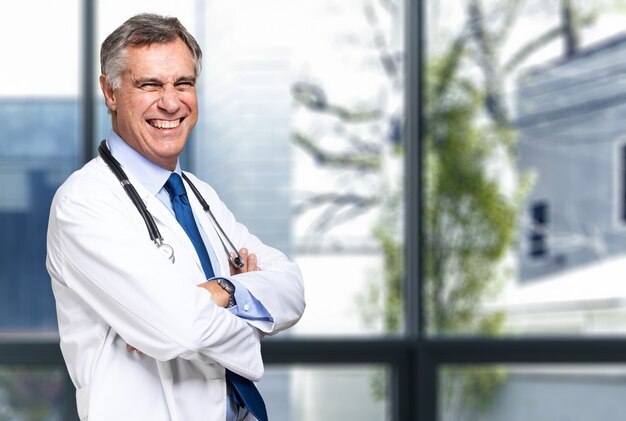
[(172, 59)]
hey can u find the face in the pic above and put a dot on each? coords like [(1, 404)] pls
[(156, 106)]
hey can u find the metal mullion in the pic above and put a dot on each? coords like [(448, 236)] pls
[(402, 387), (561, 350), (88, 115), (391, 351), (427, 384), (413, 288), (419, 399), (43, 352)]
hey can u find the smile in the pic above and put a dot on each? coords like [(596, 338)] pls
[(165, 124)]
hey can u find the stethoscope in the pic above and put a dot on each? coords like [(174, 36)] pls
[(153, 230)]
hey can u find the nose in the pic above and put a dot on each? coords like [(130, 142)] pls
[(169, 100)]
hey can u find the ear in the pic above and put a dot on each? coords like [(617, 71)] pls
[(109, 96)]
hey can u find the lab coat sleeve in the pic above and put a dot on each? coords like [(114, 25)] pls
[(99, 249), (278, 286)]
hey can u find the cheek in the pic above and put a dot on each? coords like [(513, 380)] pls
[(191, 100), (135, 107)]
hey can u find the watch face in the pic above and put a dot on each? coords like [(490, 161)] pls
[(226, 285), (229, 288)]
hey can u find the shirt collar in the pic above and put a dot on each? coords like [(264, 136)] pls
[(149, 174)]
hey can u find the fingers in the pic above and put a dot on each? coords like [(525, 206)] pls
[(244, 258), (249, 262), (131, 348), (218, 294), (252, 266)]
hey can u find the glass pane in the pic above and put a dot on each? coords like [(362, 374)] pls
[(532, 392), (31, 393), (301, 136), (342, 393), (38, 150), (525, 168)]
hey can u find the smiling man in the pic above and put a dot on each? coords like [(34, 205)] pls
[(153, 102), (162, 323)]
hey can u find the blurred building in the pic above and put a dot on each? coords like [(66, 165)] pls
[(37, 152), (572, 138), (572, 255)]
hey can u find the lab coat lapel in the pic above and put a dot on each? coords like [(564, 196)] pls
[(166, 221)]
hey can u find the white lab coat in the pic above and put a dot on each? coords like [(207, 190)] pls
[(113, 287)]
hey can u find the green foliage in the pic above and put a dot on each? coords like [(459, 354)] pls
[(467, 391), (470, 224), (394, 271)]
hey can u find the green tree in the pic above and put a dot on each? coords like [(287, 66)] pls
[(470, 226)]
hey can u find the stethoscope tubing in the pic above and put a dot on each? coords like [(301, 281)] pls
[(236, 260), (153, 230)]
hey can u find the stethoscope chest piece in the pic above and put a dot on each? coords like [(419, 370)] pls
[(167, 250)]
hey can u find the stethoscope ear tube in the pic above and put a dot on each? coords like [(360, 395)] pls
[(153, 230), (236, 259)]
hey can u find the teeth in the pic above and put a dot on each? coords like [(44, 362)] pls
[(165, 124)]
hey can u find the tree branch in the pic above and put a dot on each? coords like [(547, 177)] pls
[(339, 199), (387, 60), (488, 61), (534, 45), (314, 98), (510, 15), (361, 162)]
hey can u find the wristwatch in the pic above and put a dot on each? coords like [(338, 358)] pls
[(228, 287)]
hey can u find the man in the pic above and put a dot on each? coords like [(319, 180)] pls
[(148, 334)]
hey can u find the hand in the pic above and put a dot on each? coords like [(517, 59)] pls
[(249, 263), (131, 348), (218, 294)]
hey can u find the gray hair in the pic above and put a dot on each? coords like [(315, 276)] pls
[(142, 29)]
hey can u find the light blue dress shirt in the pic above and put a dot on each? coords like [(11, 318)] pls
[(153, 178)]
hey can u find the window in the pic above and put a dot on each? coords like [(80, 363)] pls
[(39, 148), (398, 173), (519, 132)]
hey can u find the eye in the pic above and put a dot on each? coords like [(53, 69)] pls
[(150, 86), (184, 85)]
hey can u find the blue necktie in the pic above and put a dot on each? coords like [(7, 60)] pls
[(244, 392)]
